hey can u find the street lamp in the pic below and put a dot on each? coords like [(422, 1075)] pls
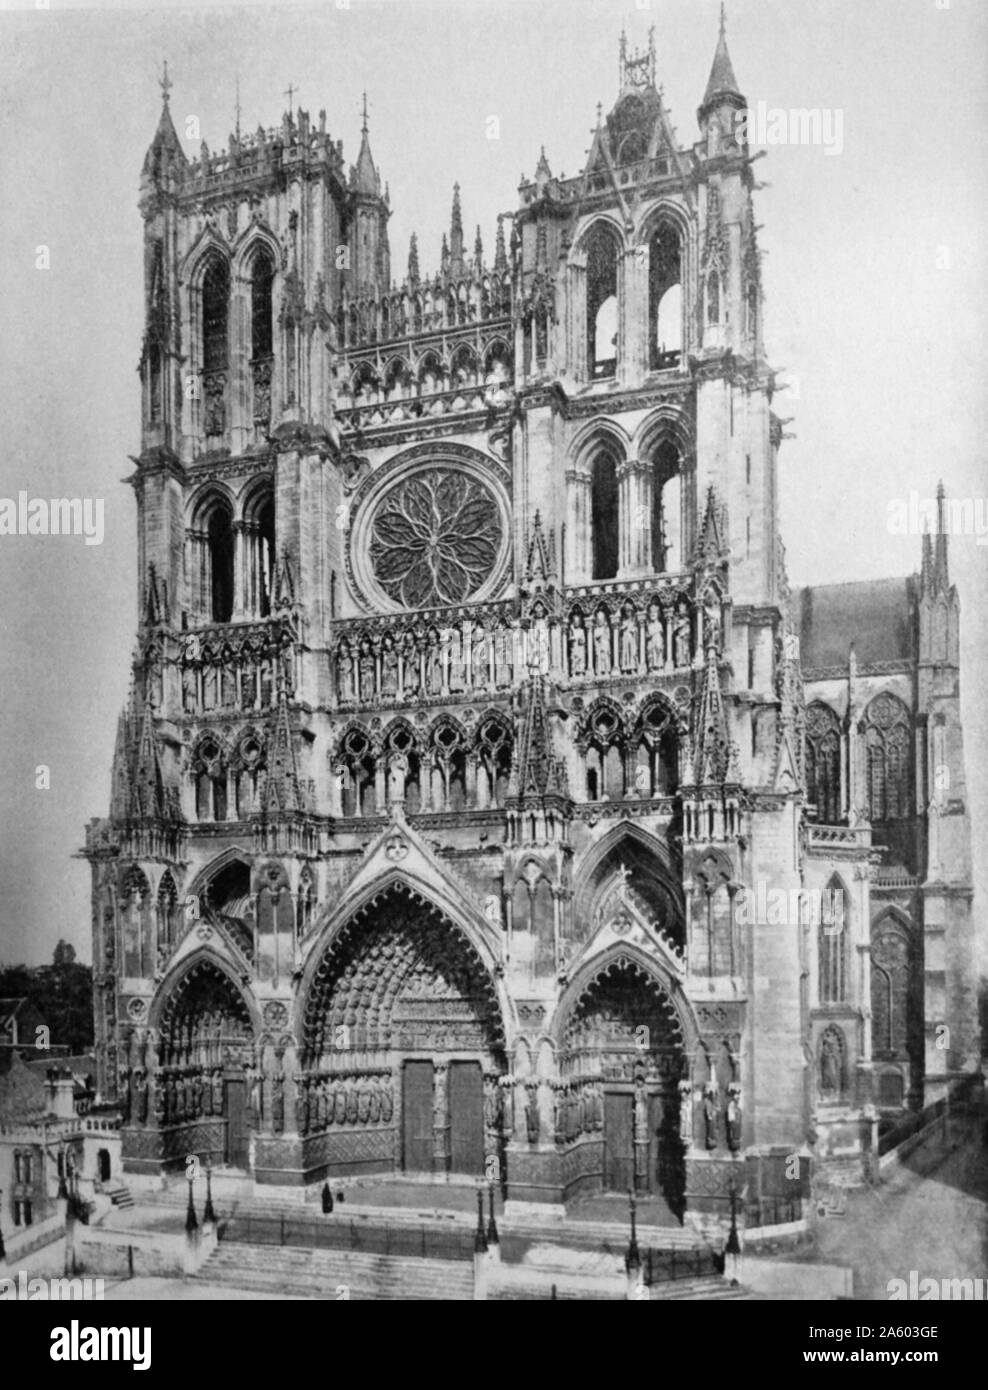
[(208, 1213), (3, 1248), (480, 1240), (191, 1224), (492, 1235), (633, 1259)]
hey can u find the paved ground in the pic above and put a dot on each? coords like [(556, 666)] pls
[(931, 1217)]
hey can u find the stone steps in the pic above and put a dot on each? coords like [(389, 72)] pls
[(119, 1196), (306, 1273)]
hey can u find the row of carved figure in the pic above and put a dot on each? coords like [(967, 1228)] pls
[(177, 1094), (442, 661)]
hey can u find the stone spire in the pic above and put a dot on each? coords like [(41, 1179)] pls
[(941, 570), (456, 234), (926, 565), (413, 260), (478, 249), (165, 154), (365, 178), (282, 791), (500, 253), (722, 83)]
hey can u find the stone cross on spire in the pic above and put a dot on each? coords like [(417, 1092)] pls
[(165, 82)]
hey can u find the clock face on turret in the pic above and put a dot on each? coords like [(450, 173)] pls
[(436, 537)]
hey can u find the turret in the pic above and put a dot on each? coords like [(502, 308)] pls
[(370, 254), (718, 114)]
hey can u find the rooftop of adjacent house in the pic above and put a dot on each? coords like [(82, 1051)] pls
[(23, 1100), (873, 615)]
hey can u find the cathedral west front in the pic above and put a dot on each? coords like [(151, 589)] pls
[(477, 737)]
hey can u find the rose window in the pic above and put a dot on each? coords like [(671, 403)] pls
[(435, 538)]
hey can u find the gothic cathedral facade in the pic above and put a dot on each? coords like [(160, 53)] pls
[(487, 803)]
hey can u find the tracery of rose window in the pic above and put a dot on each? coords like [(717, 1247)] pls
[(435, 538)]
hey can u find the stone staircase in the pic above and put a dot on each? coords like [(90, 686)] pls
[(336, 1274), (119, 1196)]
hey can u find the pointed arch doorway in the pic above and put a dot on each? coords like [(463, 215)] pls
[(623, 1055), (403, 1048)]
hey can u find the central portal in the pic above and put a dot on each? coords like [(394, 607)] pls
[(403, 1011)]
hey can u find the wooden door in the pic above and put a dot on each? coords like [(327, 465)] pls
[(237, 1137), (416, 1117), (619, 1160), (466, 1117)]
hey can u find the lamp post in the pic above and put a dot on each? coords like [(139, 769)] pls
[(492, 1235), (208, 1213), (732, 1250), (480, 1240), (191, 1224), (633, 1259), (3, 1248)]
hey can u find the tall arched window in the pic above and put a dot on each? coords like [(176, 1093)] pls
[(665, 299), (169, 917), (657, 756), (887, 738), (259, 554), (137, 923), (713, 297), (209, 770), (215, 307), (493, 748), (889, 988), (823, 763), (604, 516), (666, 510), (602, 304), (261, 317), (602, 744), (832, 953), (357, 771), (219, 533)]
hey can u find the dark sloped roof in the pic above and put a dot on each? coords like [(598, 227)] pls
[(873, 614)]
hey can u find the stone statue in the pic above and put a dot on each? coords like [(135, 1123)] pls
[(141, 1096), (710, 1116), (389, 667), (480, 657), (654, 639), (830, 1068), (532, 1113), (734, 1117), (387, 1101), (278, 1103), (601, 645), (366, 666), (433, 664), (686, 1113), (374, 1106), (457, 674), (577, 647), (629, 640), (363, 1102), (539, 657), (344, 671), (159, 1100), (711, 622), (681, 638)]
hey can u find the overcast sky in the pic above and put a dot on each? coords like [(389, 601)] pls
[(875, 273)]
